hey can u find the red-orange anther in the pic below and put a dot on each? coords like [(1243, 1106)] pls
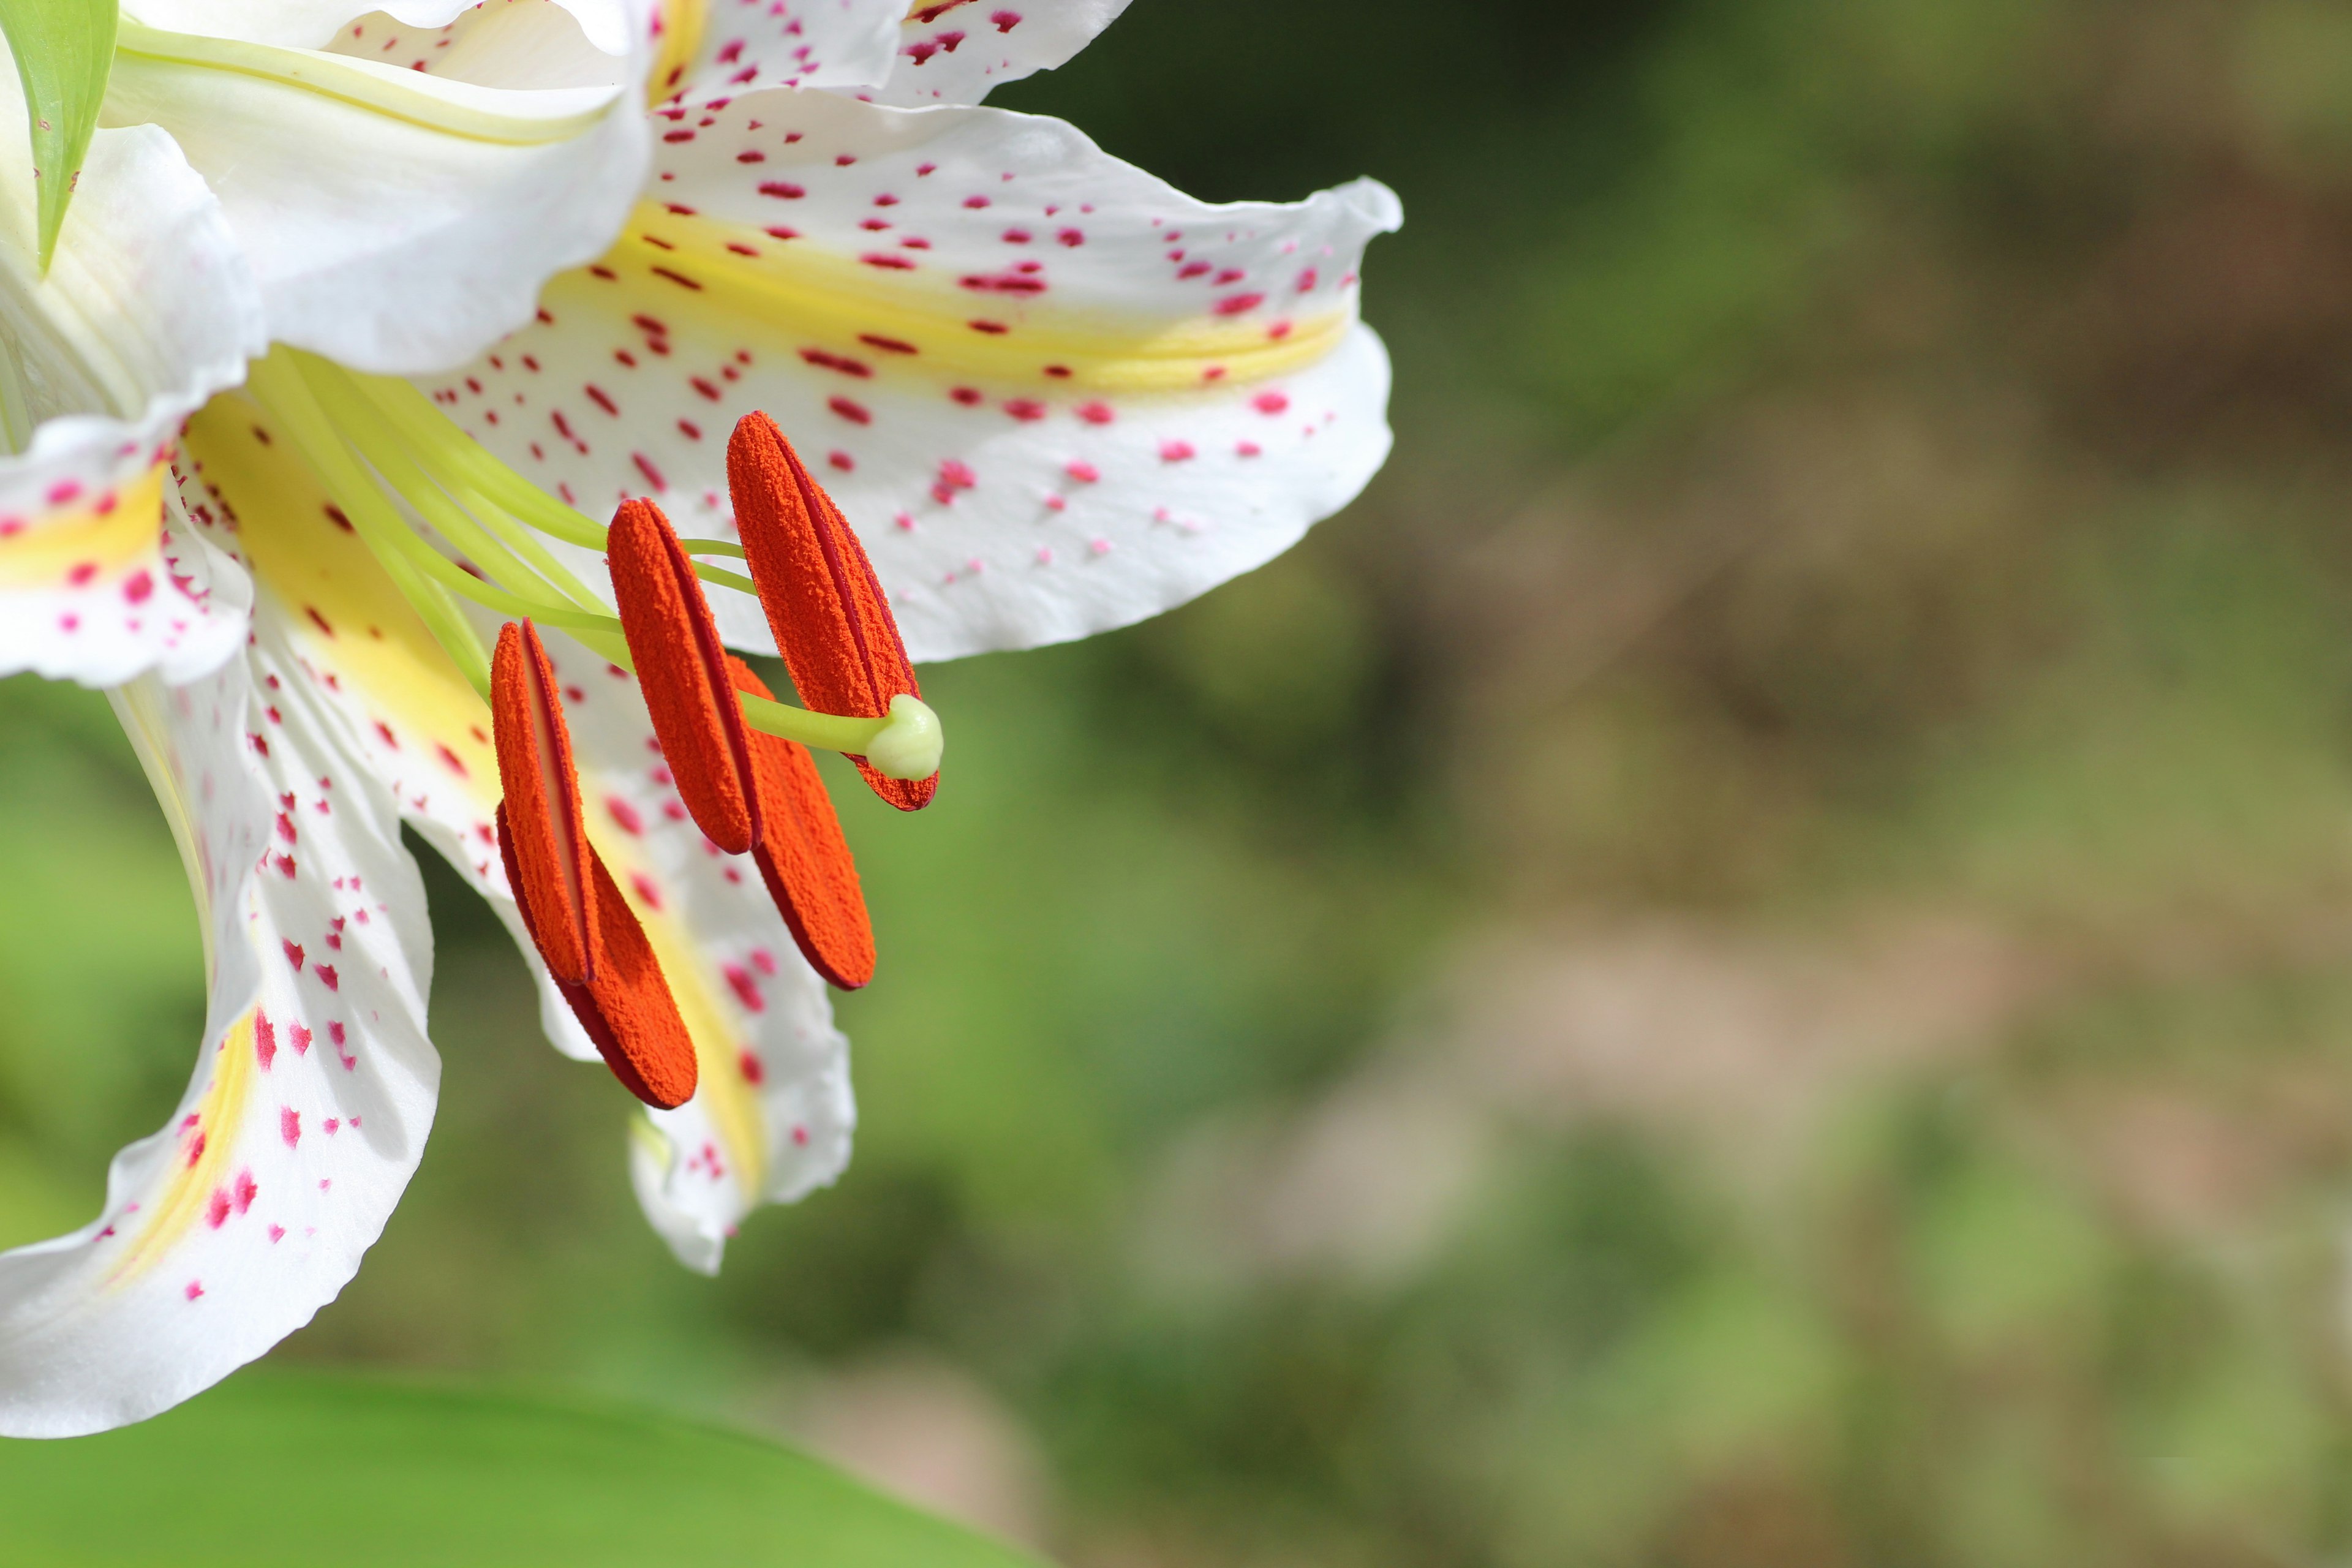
[(595, 948), (832, 623), (682, 671), (536, 774), (745, 789), (803, 857)]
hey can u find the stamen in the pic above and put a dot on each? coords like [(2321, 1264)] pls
[(746, 791), (536, 773), (595, 950), (682, 670), (830, 621), (803, 857)]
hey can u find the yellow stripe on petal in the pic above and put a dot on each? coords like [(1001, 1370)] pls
[(202, 1186), (678, 24), (77, 544), (720, 1093), (745, 284)]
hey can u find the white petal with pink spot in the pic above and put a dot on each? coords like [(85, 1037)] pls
[(146, 308), (748, 44)]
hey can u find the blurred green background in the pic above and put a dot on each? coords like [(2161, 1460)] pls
[(1748, 961)]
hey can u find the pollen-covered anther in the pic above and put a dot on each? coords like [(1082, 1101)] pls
[(594, 949), (803, 856), (830, 621), (682, 671), (550, 852)]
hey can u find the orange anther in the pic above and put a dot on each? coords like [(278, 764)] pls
[(535, 771), (595, 948), (830, 621), (803, 857), (682, 670)]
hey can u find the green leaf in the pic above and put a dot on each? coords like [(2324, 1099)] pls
[(278, 1470), (64, 49)]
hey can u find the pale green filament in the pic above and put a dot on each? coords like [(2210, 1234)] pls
[(450, 450), (363, 435)]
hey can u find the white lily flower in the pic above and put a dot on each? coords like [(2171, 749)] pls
[(1051, 394)]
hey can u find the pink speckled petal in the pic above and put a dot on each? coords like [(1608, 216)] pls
[(145, 310), (399, 218), (748, 44), (1053, 395), (955, 52), (773, 1117), (225, 1230)]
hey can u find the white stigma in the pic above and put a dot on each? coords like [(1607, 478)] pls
[(908, 744)]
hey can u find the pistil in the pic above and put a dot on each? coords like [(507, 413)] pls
[(830, 621)]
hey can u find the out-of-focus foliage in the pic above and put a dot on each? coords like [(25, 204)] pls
[(392, 1475), (1746, 963)]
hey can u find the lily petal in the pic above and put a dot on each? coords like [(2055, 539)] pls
[(736, 45), (146, 309), (226, 1229), (773, 1116), (1053, 394), (954, 51), (399, 218)]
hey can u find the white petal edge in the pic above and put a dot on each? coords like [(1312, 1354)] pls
[(251, 1207), (748, 44)]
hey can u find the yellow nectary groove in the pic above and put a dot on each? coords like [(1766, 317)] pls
[(804, 296), (50, 548), (682, 23), (219, 1114), (721, 1094), (457, 108)]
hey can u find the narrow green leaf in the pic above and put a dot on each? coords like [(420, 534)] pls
[(64, 49), (278, 1469)]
